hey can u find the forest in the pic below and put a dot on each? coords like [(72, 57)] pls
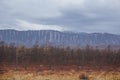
[(22, 56)]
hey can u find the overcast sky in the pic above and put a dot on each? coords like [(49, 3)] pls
[(72, 15)]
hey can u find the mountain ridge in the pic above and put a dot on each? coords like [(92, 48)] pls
[(42, 37)]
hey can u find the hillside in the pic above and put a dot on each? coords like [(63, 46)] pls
[(43, 37)]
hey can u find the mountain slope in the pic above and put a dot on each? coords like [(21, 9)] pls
[(43, 37)]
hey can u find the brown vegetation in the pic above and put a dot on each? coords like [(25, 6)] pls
[(51, 57), (58, 63)]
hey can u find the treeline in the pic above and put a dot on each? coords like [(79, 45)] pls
[(51, 55)]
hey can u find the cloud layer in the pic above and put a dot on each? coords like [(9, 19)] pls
[(73, 15)]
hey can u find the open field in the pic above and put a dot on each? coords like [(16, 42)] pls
[(59, 75)]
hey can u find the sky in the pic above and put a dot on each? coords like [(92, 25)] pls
[(102, 16)]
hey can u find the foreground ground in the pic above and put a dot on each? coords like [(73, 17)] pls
[(59, 75)]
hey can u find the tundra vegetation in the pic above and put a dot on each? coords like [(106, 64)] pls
[(58, 63)]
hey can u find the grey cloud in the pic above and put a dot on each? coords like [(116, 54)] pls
[(73, 15)]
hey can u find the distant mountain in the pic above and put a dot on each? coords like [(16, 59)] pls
[(43, 37)]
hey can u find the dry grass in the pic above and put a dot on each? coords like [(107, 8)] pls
[(59, 75)]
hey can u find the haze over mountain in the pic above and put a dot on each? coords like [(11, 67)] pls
[(58, 38)]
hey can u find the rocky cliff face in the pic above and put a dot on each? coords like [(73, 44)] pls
[(43, 37)]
